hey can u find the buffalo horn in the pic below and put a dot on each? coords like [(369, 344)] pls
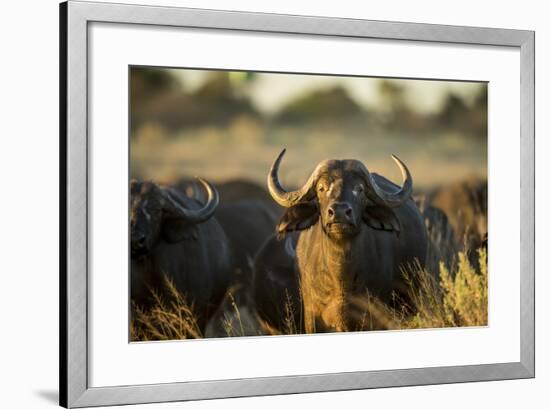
[(389, 199), (195, 215)]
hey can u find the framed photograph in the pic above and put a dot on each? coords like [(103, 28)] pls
[(259, 204)]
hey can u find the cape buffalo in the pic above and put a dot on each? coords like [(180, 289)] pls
[(465, 203), (175, 236), (246, 213), (346, 232), (442, 243), (247, 225)]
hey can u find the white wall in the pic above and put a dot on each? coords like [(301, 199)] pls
[(29, 204)]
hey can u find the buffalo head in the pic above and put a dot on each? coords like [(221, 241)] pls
[(342, 194), (152, 206)]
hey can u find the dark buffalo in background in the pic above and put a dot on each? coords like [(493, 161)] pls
[(465, 205), (176, 236), (247, 224), (248, 216), (442, 241), (346, 232)]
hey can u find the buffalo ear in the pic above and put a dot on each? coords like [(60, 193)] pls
[(381, 218), (176, 230), (298, 217)]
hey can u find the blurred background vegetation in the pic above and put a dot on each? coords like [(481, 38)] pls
[(225, 124)]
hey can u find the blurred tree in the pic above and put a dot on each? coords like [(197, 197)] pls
[(241, 81), (146, 81), (393, 109), (470, 118), (239, 78), (453, 111), (221, 98), (216, 88), (392, 96), (482, 96), (158, 97), (480, 112), (325, 104), (146, 84)]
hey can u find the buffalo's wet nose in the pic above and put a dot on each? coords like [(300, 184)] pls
[(340, 212)]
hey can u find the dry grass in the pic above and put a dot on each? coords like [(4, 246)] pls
[(167, 319), (232, 320), (465, 298), (458, 299)]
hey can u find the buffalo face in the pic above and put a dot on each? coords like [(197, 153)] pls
[(157, 211), (341, 195), (145, 217), (341, 198)]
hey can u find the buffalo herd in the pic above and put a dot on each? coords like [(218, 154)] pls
[(306, 253)]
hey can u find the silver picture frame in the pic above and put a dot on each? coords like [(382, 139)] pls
[(75, 16)]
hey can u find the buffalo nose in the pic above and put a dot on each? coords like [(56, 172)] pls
[(340, 212)]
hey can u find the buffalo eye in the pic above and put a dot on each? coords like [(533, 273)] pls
[(358, 189)]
